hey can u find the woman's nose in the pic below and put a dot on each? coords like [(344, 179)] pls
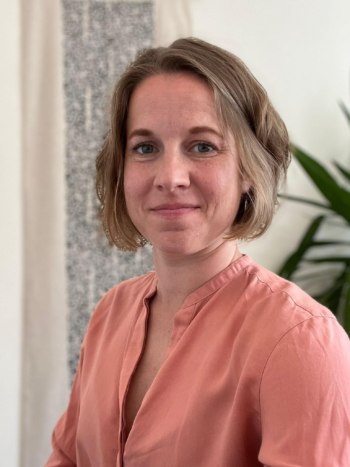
[(172, 171)]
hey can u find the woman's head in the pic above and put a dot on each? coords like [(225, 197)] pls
[(249, 124)]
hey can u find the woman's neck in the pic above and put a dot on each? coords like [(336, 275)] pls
[(178, 276)]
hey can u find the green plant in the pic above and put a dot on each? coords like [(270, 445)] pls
[(336, 292)]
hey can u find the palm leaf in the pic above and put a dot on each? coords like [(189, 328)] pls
[(304, 200), (338, 197), (332, 297), (331, 259), (342, 170), (345, 111), (345, 301), (330, 242), (292, 263)]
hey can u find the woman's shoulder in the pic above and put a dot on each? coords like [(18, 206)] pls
[(270, 288), (275, 308), (284, 322)]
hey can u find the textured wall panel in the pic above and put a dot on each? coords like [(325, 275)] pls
[(100, 39)]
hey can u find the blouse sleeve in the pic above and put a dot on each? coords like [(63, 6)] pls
[(64, 434), (305, 397)]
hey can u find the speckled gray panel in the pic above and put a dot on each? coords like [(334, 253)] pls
[(100, 39)]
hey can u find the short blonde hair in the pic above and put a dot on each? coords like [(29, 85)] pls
[(243, 109)]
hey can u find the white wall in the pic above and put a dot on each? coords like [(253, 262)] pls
[(10, 233), (299, 51)]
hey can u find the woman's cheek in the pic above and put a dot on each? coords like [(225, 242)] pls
[(132, 186)]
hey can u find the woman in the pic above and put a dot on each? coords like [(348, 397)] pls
[(210, 360)]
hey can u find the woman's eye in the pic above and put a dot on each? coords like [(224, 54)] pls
[(145, 149), (199, 148), (203, 147)]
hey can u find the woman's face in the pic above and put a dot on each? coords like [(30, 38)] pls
[(176, 156)]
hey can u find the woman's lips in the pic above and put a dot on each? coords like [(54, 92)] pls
[(174, 213)]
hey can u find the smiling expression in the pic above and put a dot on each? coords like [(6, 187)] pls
[(181, 178)]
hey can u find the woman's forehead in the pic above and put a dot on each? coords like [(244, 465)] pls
[(171, 90), (172, 99)]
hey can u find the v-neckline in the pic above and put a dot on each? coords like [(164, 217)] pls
[(181, 321)]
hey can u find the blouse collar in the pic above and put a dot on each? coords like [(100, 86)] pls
[(211, 286)]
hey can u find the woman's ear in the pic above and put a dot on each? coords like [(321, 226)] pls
[(245, 186)]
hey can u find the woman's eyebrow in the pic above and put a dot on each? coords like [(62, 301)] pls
[(205, 129), (193, 130)]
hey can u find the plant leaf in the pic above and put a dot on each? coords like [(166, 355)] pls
[(292, 263), (331, 259), (331, 298), (342, 170), (347, 303), (313, 274), (338, 197), (344, 302), (304, 200), (330, 242), (345, 111)]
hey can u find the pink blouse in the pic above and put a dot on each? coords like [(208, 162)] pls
[(257, 374)]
